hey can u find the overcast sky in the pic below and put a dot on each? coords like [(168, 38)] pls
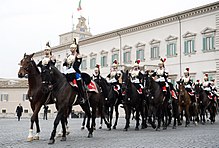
[(26, 25)]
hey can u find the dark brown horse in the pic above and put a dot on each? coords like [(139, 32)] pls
[(132, 100), (35, 94), (184, 101), (66, 96), (155, 97)]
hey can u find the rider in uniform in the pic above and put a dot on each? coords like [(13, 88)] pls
[(114, 76), (162, 74), (206, 85), (47, 60), (96, 74), (187, 81), (137, 76), (214, 89), (73, 72)]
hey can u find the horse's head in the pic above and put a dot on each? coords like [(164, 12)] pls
[(181, 88), (25, 65), (125, 82)]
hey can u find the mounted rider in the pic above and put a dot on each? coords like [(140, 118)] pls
[(96, 74), (47, 60), (137, 76), (114, 76), (162, 74), (187, 81), (73, 73), (214, 89), (206, 85)]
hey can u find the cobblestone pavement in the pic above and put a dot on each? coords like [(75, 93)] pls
[(13, 135)]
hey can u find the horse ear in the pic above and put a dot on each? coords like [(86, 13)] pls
[(32, 55), (24, 54)]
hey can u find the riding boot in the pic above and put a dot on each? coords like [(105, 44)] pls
[(82, 95)]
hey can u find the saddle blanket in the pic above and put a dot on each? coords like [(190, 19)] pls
[(91, 87)]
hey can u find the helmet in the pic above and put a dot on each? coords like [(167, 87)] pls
[(161, 63), (206, 76), (115, 63), (136, 64), (70, 59), (47, 47), (74, 45), (97, 67), (186, 71)]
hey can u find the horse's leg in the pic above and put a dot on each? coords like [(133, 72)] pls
[(137, 119), (83, 123), (55, 124), (117, 115), (111, 116), (63, 122), (37, 135), (127, 116), (86, 108), (33, 119), (187, 115), (150, 121)]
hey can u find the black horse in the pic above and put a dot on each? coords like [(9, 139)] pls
[(66, 96), (112, 99), (203, 101), (155, 98), (132, 99)]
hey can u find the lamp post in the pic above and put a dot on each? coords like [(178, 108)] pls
[(180, 46), (120, 46)]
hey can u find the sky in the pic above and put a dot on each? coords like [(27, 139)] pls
[(26, 25)]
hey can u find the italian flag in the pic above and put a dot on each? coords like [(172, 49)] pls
[(79, 6)]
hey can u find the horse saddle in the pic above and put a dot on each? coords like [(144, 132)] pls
[(91, 87)]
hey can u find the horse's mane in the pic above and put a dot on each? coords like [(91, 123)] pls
[(105, 81), (35, 66)]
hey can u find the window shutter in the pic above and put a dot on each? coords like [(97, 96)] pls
[(185, 47), (174, 52), (212, 42), (168, 50), (204, 43), (193, 45)]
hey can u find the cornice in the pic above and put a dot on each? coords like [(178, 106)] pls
[(153, 23)]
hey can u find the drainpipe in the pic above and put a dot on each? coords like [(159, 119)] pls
[(180, 46), (120, 46)]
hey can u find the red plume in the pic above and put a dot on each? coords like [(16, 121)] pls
[(164, 60), (97, 66), (138, 61), (206, 75), (187, 69), (115, 61)]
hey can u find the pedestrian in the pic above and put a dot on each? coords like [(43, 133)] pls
[(19, 111), (45, 112)]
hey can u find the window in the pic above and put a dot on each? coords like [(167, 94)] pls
[(155, 44), (140, 54), (103, 61), (189, 46), (84, 64), (25, 110), (208, 39), (208, 43), (154, 52), (171, 49), (115, 56), (4, 111), (92, 63), (25, 97), (127, 57), (4, 97)]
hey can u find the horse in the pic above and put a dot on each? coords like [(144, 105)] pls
[(66, 97), (112, 99), (36, 95), (184, 101), (155, 98), (203, 101), (132, 99), (97, 102)]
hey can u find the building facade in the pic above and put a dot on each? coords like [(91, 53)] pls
[(186, 39)]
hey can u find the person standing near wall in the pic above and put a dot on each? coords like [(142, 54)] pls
[(19, 111)]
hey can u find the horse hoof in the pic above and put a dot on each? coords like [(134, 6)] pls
[(157, 129), (63, 139), (125, 129), (137, 129), (67, 133), (114, 127), (82, 128), (174, 127), (94, 128), (51, 141), (109, 129), (90, 135), (29, 139), (36, 138), (100, 127), (164, 128)]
